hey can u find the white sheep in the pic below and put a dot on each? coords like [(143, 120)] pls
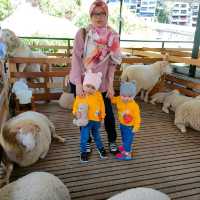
[(16, 48), (26, 138), (188, 115), (174, 100), (35, 186), (159, 97), (140, 194), (146, 76)]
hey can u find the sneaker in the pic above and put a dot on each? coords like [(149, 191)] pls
[(113, 148), (84, 157), (121, 148), (102, 153), (122, 156), (88, 148)]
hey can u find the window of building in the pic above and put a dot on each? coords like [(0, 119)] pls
[(183, 5), (183, 11), (143, 9)]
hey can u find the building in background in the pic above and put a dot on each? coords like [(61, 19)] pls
[(143, 8), (194, 13), (180, 13)]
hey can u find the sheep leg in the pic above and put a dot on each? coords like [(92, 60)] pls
[(53, 132), (142, 94), (59, 138), (165, 107), (153, 101), (8, 168), (146, 97), (181, 126), (43, 155)]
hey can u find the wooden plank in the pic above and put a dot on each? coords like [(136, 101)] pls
[(46, 96), (48, 60), (130, 60), (164, 159), (39, 74), (183, 81)]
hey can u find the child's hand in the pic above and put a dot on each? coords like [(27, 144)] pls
[(78, 115), (134, 130)]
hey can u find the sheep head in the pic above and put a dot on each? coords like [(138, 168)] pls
[(21, 136), (164, 67), (10, 39)]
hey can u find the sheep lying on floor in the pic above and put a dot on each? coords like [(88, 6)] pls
[(140, 194), (35, 186), (159, 97), (174, 100), (188, 115), (26, 138), (146, 76)]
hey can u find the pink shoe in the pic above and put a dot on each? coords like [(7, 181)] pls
[(121, 156), (121, 148)]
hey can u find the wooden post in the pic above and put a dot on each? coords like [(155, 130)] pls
[(196, 44)]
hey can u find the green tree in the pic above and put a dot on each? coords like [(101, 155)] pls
[(61, 8), (162, 15), (5, 9)]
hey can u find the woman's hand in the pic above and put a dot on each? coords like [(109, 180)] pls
[(110, 91), (79, 90)]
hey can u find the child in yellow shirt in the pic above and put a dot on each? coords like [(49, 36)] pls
[(129, 118), (90, 111)]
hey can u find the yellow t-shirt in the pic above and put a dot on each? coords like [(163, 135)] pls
[(96, 107), (128, 112)]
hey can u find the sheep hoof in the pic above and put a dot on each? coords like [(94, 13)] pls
[(152, 102), (165, 110), (59, 138), (183, 130)]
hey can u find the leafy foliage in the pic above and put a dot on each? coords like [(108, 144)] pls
[(61, 8), (5, 9)]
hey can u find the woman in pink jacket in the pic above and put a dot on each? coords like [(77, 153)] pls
[(97, 48)]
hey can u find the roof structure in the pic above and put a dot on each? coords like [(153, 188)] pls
[(30, 21)]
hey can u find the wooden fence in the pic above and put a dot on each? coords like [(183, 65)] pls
[(133, 56)]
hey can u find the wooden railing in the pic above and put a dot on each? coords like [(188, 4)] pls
[(135, 55), (4, 97)]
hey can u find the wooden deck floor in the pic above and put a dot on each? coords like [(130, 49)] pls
[(164, 159)]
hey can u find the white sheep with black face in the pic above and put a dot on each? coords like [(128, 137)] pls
[(188, 115), (35, 186), (26, 138), (146, 76)]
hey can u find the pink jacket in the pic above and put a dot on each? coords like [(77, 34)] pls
[(107, 68)]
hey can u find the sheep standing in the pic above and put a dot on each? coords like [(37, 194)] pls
[(35, 186), (26, 138), (16, 48), (174, 100), (188, 115), (140, 194), (146, 76)]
